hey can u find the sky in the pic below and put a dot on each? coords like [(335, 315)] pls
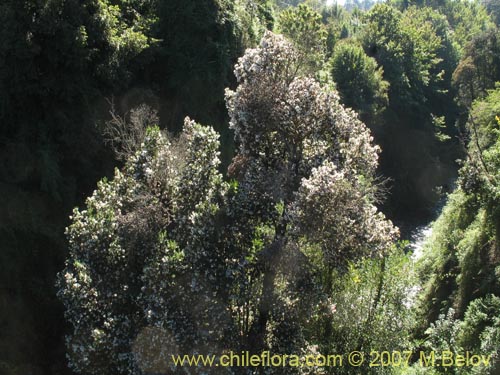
[(340, 2)]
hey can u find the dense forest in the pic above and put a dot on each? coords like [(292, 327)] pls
[(187, 177)]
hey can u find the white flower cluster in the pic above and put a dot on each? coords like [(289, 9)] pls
[(287, 125), (167, 254), (301, 150), (144, 254), (332, 210), (293, 122)]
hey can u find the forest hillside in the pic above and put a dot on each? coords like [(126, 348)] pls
[(185, 177)]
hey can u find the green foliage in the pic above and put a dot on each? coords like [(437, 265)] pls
[(358, 79), (483, 151), (461, 259), (253, 18), (406, 46), (479, 67), (65, 54), (199, 43), (493, 7), (438, 267), (468, 19), (383, 39), (481, 319), (477, 333), (440, 126), (415, 49), (442, 335), (57, 60), (338, 25), (304, 27), (370, 309), (437, 52)]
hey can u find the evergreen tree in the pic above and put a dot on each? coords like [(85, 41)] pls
[(166, 258), (358, 79)]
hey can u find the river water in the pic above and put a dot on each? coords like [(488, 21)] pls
[(417, 239)]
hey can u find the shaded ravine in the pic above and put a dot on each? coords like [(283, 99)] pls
[(417, 239), (421, 233)]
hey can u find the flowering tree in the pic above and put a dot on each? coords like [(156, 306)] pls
[(306, 169), (167, 258), (139, 280)]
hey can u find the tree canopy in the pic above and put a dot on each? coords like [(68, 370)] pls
[(168, 257), (271, 230)]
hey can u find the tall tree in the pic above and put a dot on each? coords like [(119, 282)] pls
[(166, 258), (411, 46), (304, 27), (358, 79), (479, 68)]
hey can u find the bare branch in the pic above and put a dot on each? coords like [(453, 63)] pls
[(126, 133)]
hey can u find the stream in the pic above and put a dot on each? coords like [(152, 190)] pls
[(417, 239), (421, 233), (418, 236)]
